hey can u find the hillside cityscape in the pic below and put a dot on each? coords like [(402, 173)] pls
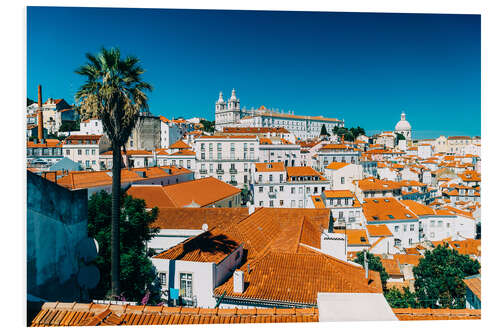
[(258, 209)]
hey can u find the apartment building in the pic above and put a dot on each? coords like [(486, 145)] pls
[(85, 149), (337, 153), (274, 185), (228, 158), (279, 150)]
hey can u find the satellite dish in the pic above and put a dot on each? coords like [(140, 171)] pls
[(87, 249), (88, 277)]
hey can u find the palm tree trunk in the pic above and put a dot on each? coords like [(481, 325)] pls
[(115, 222)]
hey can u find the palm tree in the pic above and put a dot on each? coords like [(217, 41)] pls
[(114, 93)]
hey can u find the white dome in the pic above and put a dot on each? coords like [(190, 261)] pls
[(403, 124)]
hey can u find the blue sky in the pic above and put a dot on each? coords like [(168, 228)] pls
[(363, 68)]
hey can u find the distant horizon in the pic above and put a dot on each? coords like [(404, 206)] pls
[(364, 68)]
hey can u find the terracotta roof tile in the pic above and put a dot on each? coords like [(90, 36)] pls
[(203, 192), (55, 316), (193, 219), (270, 167)]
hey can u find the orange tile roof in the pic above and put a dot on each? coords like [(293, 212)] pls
[(179, 145), (335, 146), (270, 167), (49, 143), (391, 266), (204, 192), (338, 194), (296, 278), (184, 152), (355, 236), (386, 209), (193, 219), (466, 246), (436, 314), (303, 171), (374, 184), (337, 165), (265, 141), (474, 284), (317, 201), (418, 208), (378, 230), (282, 229), (407, 259), (213, 245), (78, 314), (89, 179)]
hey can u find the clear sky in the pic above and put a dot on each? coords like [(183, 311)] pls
[(363, 68)]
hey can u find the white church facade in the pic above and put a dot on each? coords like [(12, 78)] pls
[(403, 127), (230, 114)]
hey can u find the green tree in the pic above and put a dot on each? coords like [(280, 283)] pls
[(399, 137), (113, 92), (398, 299), (68, 126), (208, 126), (374, 264), (137, 271), (324, 131), (439, 278)]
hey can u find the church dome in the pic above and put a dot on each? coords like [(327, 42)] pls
[(403, 124)]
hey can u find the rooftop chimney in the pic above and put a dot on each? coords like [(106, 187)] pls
[(238, 282), (40, 113)]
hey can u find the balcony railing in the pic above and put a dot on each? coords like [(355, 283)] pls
[(352, 219), (233, 182), (233, 171), (203, 171), (219, 171), (272, 194)]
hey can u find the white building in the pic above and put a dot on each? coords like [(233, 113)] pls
[(229, 114), (226, 157), (403, 127), (173, 130), (274, 185), (342, 175), (336, 153), (439, 224), (402, 222), (345, 208), (85, 149), (279, 150)]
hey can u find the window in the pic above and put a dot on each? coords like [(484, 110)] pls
[(412, 227), (79, 152), (163, 278), (342, 180), (292, 204), (397, 242), (261, 189), (281, 202), (281, 188), (396, 228), (93, 151), (87, 163), (186, 280), (301, 204), (67, 151), (261, 203), (86, 151), (404, 228), (260, 178), (270, 178), (292, 190)]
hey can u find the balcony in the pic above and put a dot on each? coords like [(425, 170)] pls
[(233, 171), (233, 182), (272, 195), (203, 171), (219, 171), (352, 219)]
